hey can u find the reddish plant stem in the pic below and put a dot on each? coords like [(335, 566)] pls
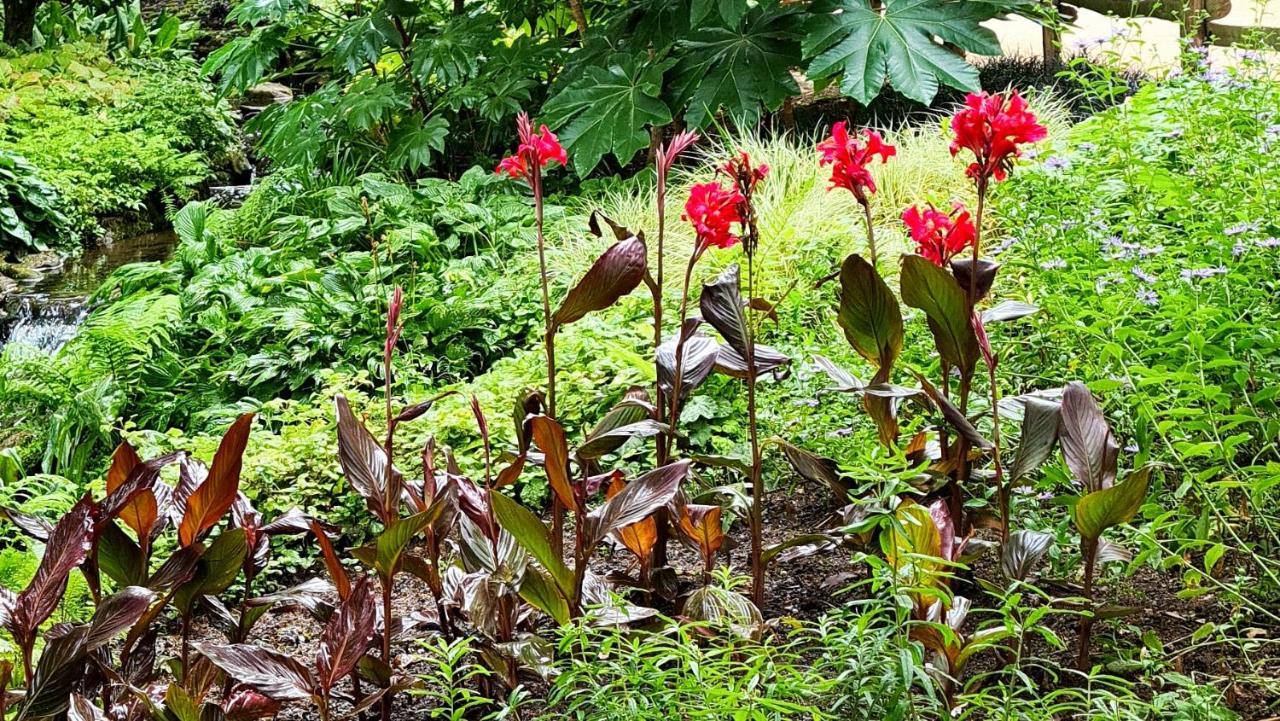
[(871, 234), (548, 337), (1089, 548)]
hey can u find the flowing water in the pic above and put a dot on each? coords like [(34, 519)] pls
[(45, 314)]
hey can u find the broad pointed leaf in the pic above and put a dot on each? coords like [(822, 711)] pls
[(531, 534), (550, 439), (868, 313), (1021, 554), (215, 496), (1111, 506), (346, 637), (615, 273), (721, 304), (1040, 420), (363, 461), (271, 673), (1087, 443), (641, 497), (934, 291)]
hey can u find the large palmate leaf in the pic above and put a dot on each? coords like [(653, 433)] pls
[(608, 110), (615, 273), (739, 65), (347, 635), (898, 41), (869, 314), (934, 291), (1088, 445), (215, 496), (1111, 506)]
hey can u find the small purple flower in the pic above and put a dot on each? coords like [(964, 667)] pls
[(1250, 55), (1146, 251), (1087, 147), (840, 433), (1194, 273), (1268, 243), (1056, 162), (1146, 296), (1215, 76), (1144, 276), (1044, 496), (1055, 264), (1238, 228), (1273, 131), (1176, 133), (1238, 249)]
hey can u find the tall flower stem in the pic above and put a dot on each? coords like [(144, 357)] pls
[(1002, 492), (1090, 552), (673, 414), (548, 339), (757, 492), (871, 234)]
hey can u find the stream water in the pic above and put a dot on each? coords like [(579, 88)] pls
[(45, 314)]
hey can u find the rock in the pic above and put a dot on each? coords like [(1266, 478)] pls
[(8, 286), (265, 94), (14, 272), (41, 263)]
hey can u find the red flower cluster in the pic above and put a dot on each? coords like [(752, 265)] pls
[(938, 236), (536, 150), (713, 209), (992, 127), (849, 158)]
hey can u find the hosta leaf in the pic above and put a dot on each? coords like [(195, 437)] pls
[(609, 109), (934, 291), (898, 41), (741, 66), (271, 673), (615, 273), (1088, 445), (868, 313), (1040, 420), (346, 637), (215, 496), (1111, 506)]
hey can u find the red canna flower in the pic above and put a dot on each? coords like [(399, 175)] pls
[(713, 209), (850, 158), (992, 127), (536, 150), (938, 236)]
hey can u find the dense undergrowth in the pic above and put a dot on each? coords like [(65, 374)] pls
[(104, 137)]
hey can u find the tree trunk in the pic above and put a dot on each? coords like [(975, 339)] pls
[(19, 21), (579, 18)]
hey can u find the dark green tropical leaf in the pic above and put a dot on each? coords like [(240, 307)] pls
[(741, 66), (869, 314), (934, 291), (898, 42), (609, 110)]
